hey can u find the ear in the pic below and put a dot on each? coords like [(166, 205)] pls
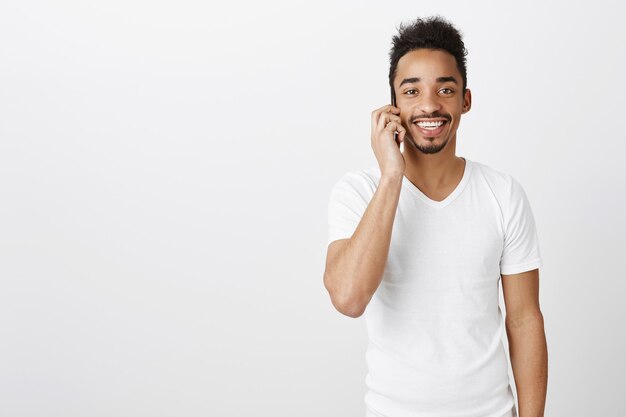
[(467, 101)]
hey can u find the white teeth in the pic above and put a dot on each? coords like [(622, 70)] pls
[(430, 125)]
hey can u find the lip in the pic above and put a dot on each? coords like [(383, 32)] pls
[(433, 132)]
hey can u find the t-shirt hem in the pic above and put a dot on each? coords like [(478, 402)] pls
[(337, 237), (523, 267)]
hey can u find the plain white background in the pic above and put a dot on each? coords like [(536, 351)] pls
[(164, 177)]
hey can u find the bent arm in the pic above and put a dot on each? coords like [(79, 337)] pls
[(355, 266)]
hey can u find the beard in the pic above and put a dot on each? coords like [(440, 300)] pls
[(430, 148)]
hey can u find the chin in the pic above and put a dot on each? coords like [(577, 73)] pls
[(427, 146)]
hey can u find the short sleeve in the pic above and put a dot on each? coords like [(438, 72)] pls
[(521, 242), (348, 200)]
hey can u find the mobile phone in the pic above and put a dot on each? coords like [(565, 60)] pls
[(393, 103)]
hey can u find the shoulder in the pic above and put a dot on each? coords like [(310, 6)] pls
[(502, 184), (492, 175), (362, 180), (505, 189)]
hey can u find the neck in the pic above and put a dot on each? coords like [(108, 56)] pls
[(434, 170)]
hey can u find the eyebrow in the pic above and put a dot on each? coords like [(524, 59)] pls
[(439, 80)]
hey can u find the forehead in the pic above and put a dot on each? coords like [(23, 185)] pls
[(426, 64)]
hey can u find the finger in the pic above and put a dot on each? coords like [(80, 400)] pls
[(394, 118), (395, 126), (385, 109), (385, 118), (401, 136), (390, 108)]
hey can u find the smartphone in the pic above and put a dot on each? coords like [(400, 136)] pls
[(393, 103)]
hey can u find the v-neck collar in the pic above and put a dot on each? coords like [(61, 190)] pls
[(450, 198)]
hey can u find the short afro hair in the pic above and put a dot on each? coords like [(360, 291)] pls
[(432, 32)]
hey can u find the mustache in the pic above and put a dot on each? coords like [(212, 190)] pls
[(431, 116)]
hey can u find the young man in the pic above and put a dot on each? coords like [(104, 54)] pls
[(420, 244)]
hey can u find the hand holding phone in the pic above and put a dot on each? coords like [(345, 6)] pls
[(387, 136)]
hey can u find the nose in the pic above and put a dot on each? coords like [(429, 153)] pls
[(429, 103)]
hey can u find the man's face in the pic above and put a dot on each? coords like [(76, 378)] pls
[(429, 93)]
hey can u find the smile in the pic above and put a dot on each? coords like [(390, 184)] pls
[(431, 127)]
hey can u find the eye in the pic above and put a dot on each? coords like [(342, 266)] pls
[(408, 92), (449, 90)]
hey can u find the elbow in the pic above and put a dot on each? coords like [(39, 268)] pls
[(347, 304), (349, 308)]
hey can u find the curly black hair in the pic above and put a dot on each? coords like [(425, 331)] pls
[(433, 32)]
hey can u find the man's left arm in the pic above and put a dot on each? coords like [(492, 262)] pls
[(527, 341)]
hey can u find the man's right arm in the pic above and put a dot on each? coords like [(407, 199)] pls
[(355, 266)]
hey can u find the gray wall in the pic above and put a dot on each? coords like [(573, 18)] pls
[(164, 177)]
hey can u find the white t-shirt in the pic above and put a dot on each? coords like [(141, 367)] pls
[(435, 326)]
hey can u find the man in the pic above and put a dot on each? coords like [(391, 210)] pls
[(420, 243)]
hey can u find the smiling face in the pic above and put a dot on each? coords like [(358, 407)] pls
[(429, 93)]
